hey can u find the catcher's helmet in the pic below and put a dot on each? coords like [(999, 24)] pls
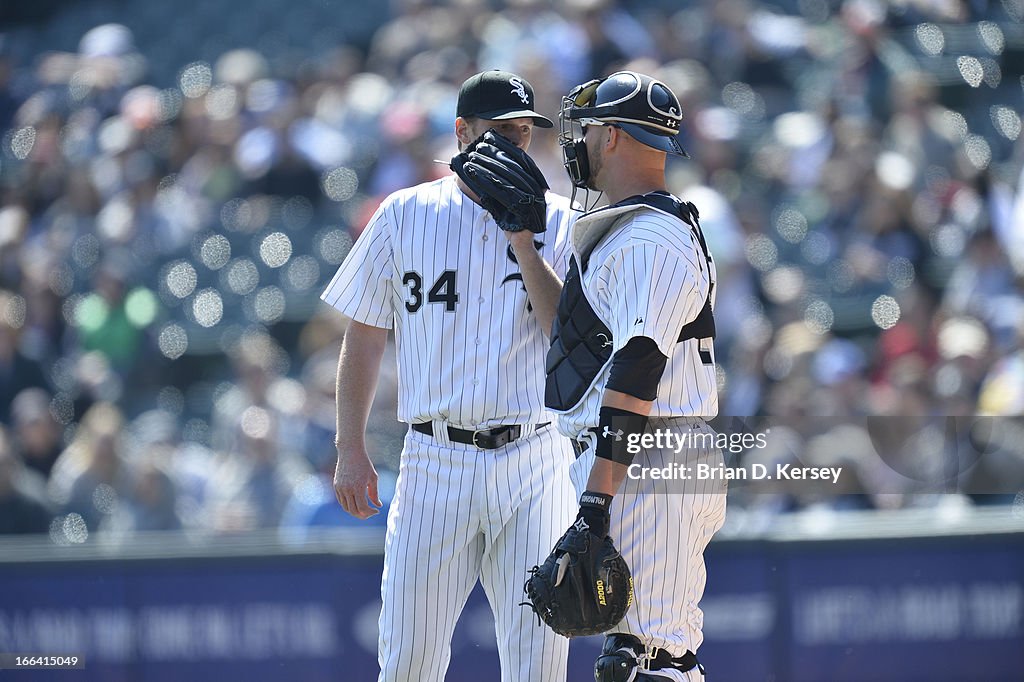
[(644, 107)]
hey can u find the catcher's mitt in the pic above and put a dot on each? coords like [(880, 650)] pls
[(583, 587), (506, 179)]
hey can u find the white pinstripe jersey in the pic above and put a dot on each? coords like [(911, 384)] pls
[(435, 266), (648, 277)]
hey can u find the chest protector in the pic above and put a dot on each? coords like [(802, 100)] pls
[(581, 343)]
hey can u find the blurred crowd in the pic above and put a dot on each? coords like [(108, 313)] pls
[(165, 362)]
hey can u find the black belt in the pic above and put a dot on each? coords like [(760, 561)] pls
[(485, 439)]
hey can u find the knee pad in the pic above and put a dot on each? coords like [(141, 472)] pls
[(615, 667), (618, 662)]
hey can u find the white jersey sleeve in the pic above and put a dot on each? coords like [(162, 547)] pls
[(653, 292), (564, 217), (362, 288), (563, 245)]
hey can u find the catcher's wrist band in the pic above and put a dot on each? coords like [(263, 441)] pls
[(594, 508), (595, 499), (614, 428)]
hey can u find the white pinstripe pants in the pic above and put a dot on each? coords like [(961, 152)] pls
[(460, 514), (662, 528)]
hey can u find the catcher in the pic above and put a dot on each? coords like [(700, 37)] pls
[(632, 355)]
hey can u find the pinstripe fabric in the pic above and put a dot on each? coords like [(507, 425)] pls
[(513, 503), (648, 277), (662, 528), (450, 357), (434, 265)]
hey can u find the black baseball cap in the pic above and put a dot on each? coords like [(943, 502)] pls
[(498, 96)]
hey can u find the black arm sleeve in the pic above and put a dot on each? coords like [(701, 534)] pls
[(618, 434), (637, 369)]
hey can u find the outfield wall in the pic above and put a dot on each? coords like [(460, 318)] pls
[(857, 598)]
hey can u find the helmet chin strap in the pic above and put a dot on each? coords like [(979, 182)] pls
[(572, 200), (598, 195), (587, 204)]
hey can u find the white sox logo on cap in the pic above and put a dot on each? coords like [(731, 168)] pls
[(519, 89)]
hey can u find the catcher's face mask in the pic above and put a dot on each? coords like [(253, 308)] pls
[(643, 107), (571, 132)]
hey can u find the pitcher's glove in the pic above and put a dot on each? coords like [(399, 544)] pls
[(507, 181), (584, 586)]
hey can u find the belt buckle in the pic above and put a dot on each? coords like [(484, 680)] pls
[(477, 433)]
